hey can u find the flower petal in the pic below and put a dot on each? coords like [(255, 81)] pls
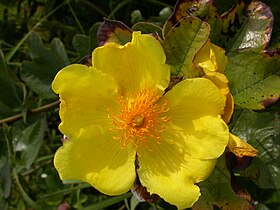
[(138, 65), (171, 175), (95, 157), (195, 117), (211, 58), (228, 111), (86, 95), (221, 82), (241, 148)]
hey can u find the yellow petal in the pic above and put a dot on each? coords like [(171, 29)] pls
[(95, 157), (86, 94), (206, 59), (221, 82), (138, 65), (164, 171), (211, 58), (220, 56), (241, 148), (228, 111), (195, 108)]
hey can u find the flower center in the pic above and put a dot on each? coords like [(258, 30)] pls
[(139, 119)]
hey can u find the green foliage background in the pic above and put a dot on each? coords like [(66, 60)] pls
[(37, 38)]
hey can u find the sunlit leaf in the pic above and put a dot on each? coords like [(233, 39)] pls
[(181, 45), (39, 73), (217, 191), (113, 31), (254, 79), (262, 131), (244, 26)]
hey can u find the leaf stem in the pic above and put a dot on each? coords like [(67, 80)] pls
[(23, 193), (32, 111), (75, 17)]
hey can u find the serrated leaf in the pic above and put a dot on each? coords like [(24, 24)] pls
[(39, 73), (181, 45), (262, 131), (113, 31), (147, 28), (254, 79), (202, 9), (29, 141), (217, 191)]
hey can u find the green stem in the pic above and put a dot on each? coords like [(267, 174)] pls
[(15, 49), (75, 17), (32, 111), (23, 193), (25, 196), (64, 191)]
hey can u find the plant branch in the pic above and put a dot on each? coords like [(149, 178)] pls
[(32, 111)]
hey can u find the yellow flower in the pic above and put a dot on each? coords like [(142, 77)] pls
[(121, 123), (213, 61)]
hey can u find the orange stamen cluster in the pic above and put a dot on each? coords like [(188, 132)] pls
[(139, 119)]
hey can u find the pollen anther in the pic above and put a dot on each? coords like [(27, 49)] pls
[(139, 119)]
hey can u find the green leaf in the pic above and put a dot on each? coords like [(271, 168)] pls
[(262, 131), (254, 79), (181, 45), (202, 9), (3, 65), (113, 31), (84, 44), (136, 17), (216, 190), (244, 26), (147, 28), (10, 98), (81, 44), (107, 202), (28, 141), (39, 73), (93, 42), (5, 168)]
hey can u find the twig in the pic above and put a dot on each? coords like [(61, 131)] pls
[(32, 111)]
